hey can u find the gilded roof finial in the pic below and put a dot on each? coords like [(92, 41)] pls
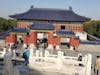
[(70, 8), (32, 6)]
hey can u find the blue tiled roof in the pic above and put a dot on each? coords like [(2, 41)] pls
[(2, 38), (17, 30), (65, 32), (20, 30), (90, 42), (2, 35), (49, 14), (42, 26), (8, 31)]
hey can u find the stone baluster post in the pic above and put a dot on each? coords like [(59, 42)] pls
[(41, 54), (31, 52), (59, 62), (4, 51), (46, 53), (89, 63), (37, 53), (14, 53), (9, 49), (31, 58)]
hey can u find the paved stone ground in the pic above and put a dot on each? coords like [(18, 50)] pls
[(35, 72)]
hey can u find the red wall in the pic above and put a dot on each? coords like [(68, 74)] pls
[(75, 28), (52, 40), (32, 38), (50, 37), (25, 39), (74, 42), (10, 39)]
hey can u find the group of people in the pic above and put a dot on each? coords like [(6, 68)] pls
[(43, 41)]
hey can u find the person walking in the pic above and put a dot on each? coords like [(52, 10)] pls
[(26, 56), (97, 66), (37, 45)]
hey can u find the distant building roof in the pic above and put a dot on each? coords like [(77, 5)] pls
[(2, 38), (49, 14), (90, 42), (42, 26)]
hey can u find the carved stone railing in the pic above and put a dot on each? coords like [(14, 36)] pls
[(60, 63)]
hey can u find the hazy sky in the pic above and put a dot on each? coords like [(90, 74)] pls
[(88, 8)]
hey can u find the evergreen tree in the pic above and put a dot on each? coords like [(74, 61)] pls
[(92, 27), (6, 24)]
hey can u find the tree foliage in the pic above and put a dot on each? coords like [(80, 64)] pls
[(6, 24), (92, 27)]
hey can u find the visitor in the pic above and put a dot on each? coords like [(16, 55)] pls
[(97, 66), (79, 57), (45, 46), (54, 49), (21, 41), (26, 56), (37, 45)]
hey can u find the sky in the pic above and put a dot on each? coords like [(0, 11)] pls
[(88, 8)]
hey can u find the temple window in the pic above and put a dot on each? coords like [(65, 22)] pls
[(63, 27)]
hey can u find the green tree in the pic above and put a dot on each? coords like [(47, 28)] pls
[(98, 30), (92, 27), (6, 24)]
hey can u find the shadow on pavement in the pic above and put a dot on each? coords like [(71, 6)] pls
[(34, 72)]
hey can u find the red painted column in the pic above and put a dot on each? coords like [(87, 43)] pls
[(74, 42), (81, 29), (50, 40), (71, 41), (10, 39), (77, 42), (71, 44), (7, 39), (25, 39), (58, 42), (32, 39)]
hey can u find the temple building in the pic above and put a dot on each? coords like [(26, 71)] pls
[(55, 27)]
